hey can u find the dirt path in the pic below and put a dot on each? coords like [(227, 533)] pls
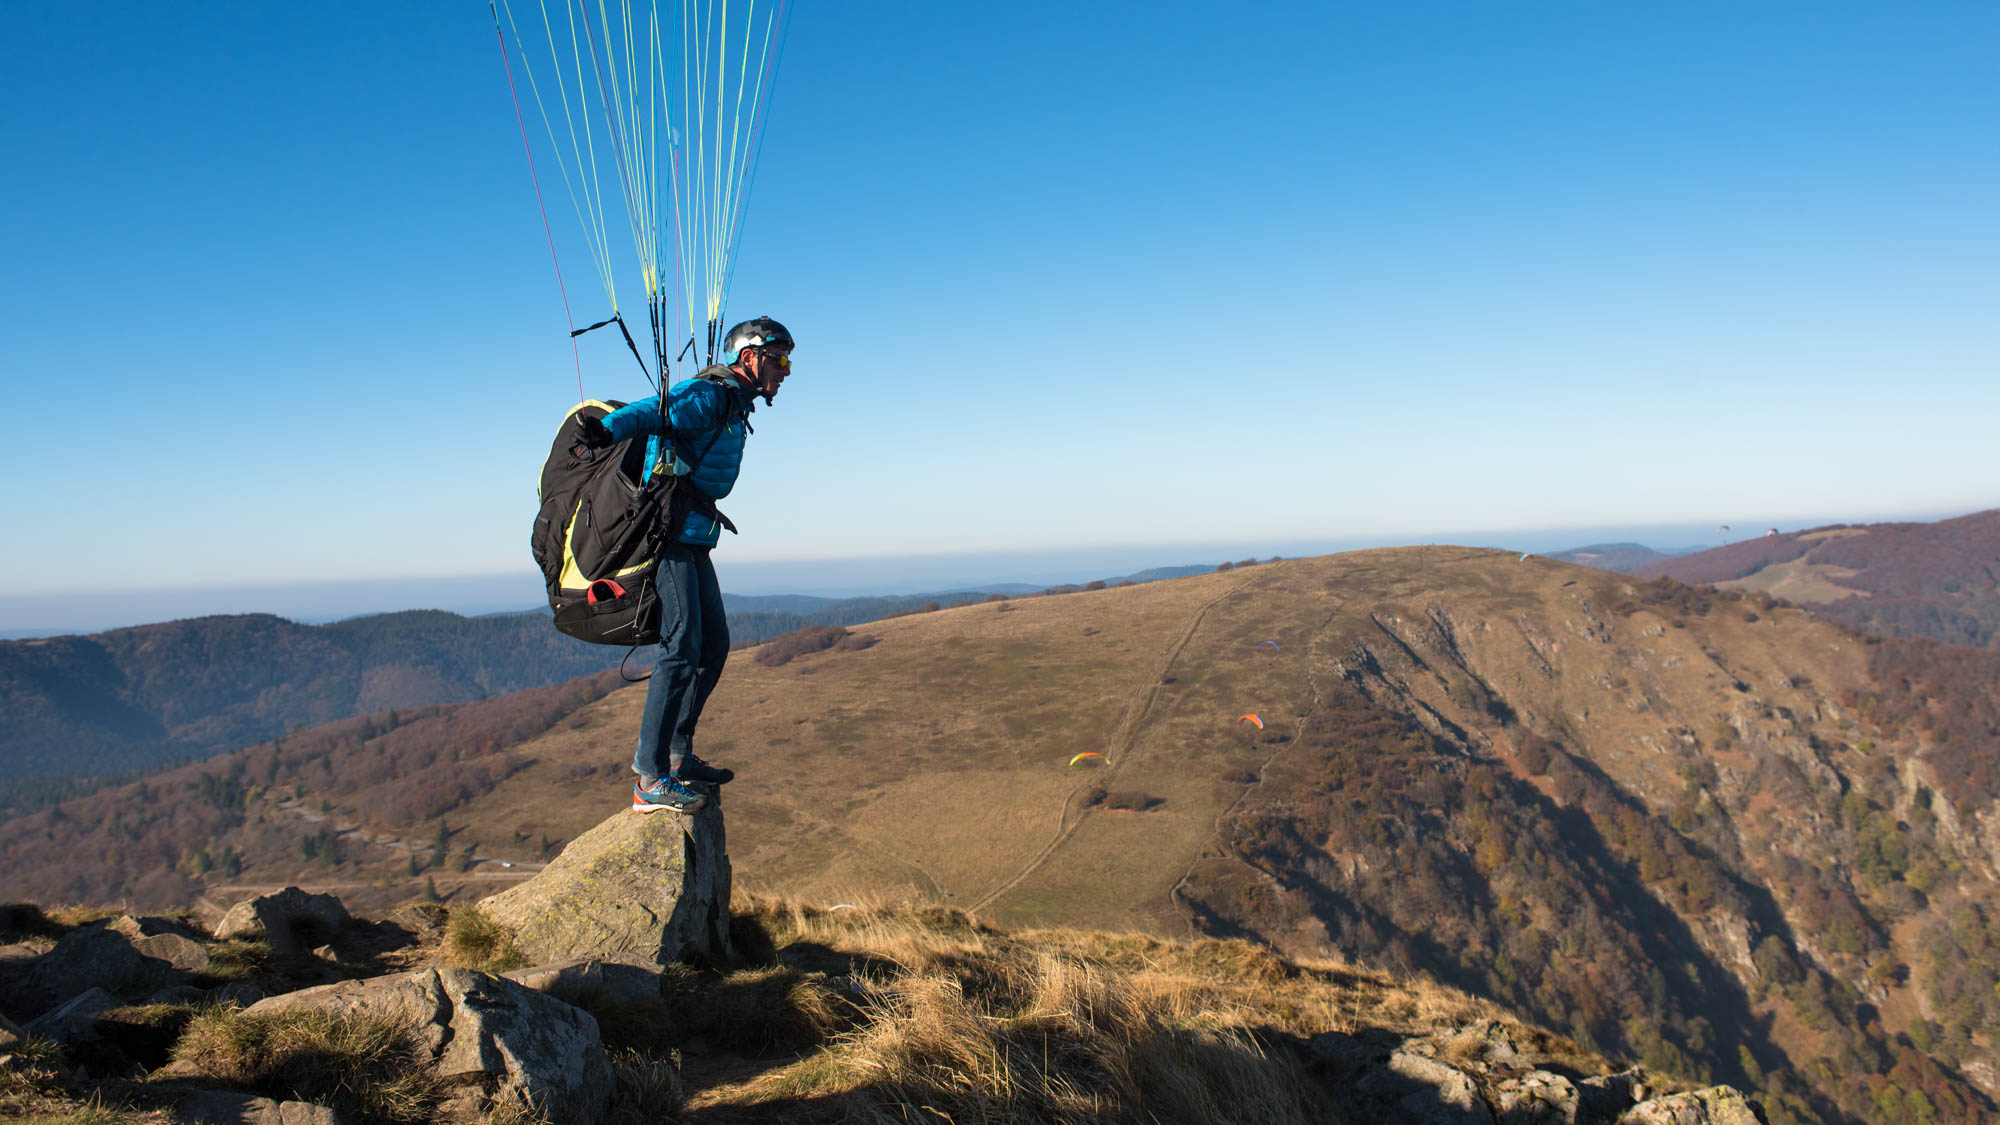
[(1122, 739)]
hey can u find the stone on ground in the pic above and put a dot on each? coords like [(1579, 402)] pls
[(291, 920), (643, 889), (504, 1044)]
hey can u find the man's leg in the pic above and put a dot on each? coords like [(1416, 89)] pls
[(715, 649), (711, 645), (679, 663)]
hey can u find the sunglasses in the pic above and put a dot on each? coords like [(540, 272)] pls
[(782, 359)]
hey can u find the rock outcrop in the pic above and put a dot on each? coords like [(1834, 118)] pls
[(292, 920), (1477, 1075), (1717, 1105), (124, 954), (650, 889), (500, 1043)]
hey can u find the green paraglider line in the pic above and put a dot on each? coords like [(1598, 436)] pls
[(714, 136)]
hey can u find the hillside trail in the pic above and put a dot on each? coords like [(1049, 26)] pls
[(1175, 897), (1121, 740)]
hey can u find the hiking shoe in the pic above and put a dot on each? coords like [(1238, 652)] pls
[(694, 769), (668, 794)]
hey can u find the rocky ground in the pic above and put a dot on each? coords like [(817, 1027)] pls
[(647, 1000)]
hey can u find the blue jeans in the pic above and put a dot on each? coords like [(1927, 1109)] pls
[(694, 643)]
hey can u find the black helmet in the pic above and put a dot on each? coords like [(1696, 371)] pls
[(762, 332)]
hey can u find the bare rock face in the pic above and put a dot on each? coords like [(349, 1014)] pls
[(505, 1044), (1717, 1105), (291, 920), (651, 889)]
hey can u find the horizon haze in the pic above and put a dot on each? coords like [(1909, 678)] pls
[(27, 616)]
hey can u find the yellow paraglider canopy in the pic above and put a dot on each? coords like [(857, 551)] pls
[(1087, 754)]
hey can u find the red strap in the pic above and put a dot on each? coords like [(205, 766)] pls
[(616, 591)]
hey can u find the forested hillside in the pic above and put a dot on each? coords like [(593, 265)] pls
[(1937, 580), (133, 699)]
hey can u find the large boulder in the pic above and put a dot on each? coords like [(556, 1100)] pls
[(1717, 1105), (117, 955), (292, 920), (639, 889), (505, 1044), (163, 940)]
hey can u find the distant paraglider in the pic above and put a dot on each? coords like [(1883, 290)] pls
[(1770, 531), (1088, 754), (1524, 557), (1251, 718), (1273, 645)]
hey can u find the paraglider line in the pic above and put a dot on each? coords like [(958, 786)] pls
[(619, 320), (576, 353)]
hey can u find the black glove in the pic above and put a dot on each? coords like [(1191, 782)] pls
[(595, 436)]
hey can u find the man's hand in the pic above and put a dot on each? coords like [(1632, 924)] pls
[(595, 436)]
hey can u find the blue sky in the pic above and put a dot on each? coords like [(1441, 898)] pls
[(278, 303)]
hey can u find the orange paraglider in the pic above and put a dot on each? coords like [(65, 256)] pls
[(1087, 754), (1241, 719)]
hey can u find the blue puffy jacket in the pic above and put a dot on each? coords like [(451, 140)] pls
[(706, 449)]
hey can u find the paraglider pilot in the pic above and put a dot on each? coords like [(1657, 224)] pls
[(708, 418)]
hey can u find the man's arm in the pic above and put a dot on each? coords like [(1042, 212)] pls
[(642, 417)]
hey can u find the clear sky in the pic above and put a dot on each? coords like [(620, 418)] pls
[(277, 302)]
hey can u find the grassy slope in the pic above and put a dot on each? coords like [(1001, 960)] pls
[(934, 762)]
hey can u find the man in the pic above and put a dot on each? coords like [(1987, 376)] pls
[(705, 425)]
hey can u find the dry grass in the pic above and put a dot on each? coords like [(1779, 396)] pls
[(366, 1070), (957, 1021), (649, 1090), (474, 941), (954, 1020)]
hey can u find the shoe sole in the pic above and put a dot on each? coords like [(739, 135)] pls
[(643, 807)]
